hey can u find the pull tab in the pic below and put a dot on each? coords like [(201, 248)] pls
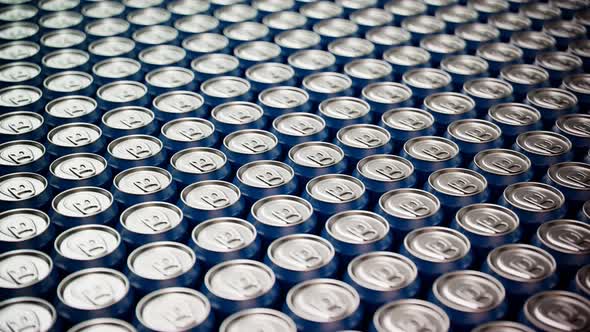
[(241, 116), (363, 230), (582, 127), (204, 164), (156, 223), (99, 294), (191, 133), (22, 272), (271, 178), (140, 151), (580, 178), (92, 247), (20, 99), (413, 323), (413, 123), (341, 192), (179, 315), (87, 206), (22, 190), (368, 139), (479, 134), (548, 146), (255, 145), (463, 185), (492, 224), (230, 238), (574, 240), (149, 184), (83, 170), (22, 228), (525, 267), (567, 317), (436, 152), (23, 321), (20, 157), (79, 138), (474, 295), (132, 122), (321, 158), (244, 284), (303, 127), (388, 275), (328, 304), (346, 111), (442, 249), (508, 166), (167, 265), (415, 208), (306, 256), (216, 198), (74, 110), (287, 214), (21, 126), (519, 117), (181, 105), (391, 172), (539, 200)]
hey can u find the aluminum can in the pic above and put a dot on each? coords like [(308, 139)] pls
[(312, 159), (447, 107), (403, 9), (71, 109), (81, 206), (198, 164), (543, 148), (509, 23), (502, 325), (487, 92), (151, 222), (568, 305), (187, 132), (565, 32), (209, 65), (21, 98), (150, 16), (381, 173), (159, 56), (282, 215), (135, 150), (281, 100), (278, 22), (181, 306), (535, 204), (102, 9), (349, 6), (155, 35), (19, 31), (340, 112), (420, 26), (178, 104), (52, 40), (128, 120), (196, 24), (473, 136), (88, 246), (337, 305), (23, 156), (29, 312), (476, 35), (429, 154), (29, 272), (577, 84), (333, 193), (572, 179), (540, 13), (552, 103), (137, 4), (244, 32), (222, 89), (67, 83), (454, 292), (362, 140), (79, 170), (237, 115), (244, 146), (235, 13), (487, 8), (499, 55), (251, 318), (107, 27), (267, 7), (20, 73), (324, 85), (383, 96), (306, 62), (559, 65), (107, 294), (401, 313), (366, 71), (371, 17), (524, 78), (580, 48), (20, 51), (455, 15), (569, 8), (297, 128), (334, 28), (65, 59), (426, 81), (18, 13), (581, 282), (441, 46), (115, 69), (457, 187), (121, 94), (532, 43), (584, 214), (514, 119), (110, 47), (168, 79), (256, 52), (320, 10), (406, 123), (143, 184), (576, 128), (211, 199), (205, 43), (24, 190), (76, 137), (386, 37), (161, 264), (463, 68), (262, 178), (25, 229)]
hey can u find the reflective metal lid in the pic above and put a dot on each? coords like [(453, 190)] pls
[(521, 263), (283, 97), (65, 59), (122, 91), (532, 40), (151, 217), (28, 313), (70, 107), (487, 219), (19, 95), (196, 24), (502, 162), (161, 260), (149, 16), (23, 268), (363, 136), (583, 279), (87, 242), (20, 153), (388, 35), (82, 202), (524, 74), (301, 252), (169, 77), (382, 271), (63, 38), (187, 129), (567, 236), (311, 59), (216, 63), (335, 188), (558, 61), (93, 289), (116, 68), (78, 166), (386, 92), (469, 291), (534, 196), (205, 42), (423, 24), (552, 99), (321, 10), (316, 154), (557, 311), (239, 279), (210, 195), (371, 17), (235, 13), (265, 174), (407, 119), (68, 81), (258, 51), (477, 32), (107, 27), (178, 102), (409, 203), (449, 103), (326, 82), (459, 182), (464, 65), (161, 55), (540, 11), (198, 160), (224, 234), (427, 78), (335, 27), (16, 187), (545, 143), (225, 86), (237, 112), (250, 141), (268, 320), (357, 227), (443, 43), (499, 52), (474, 131), (188, 7), (18, 50), (22, 224), (299, 39), (405, 7), (142, 180), (246, 31), (284, 20), (572, 175), (103, 325), (102, 9), (514, 114), (281, 210), (455, 13), (135, 147), (344, 108), (74, 134), (368, 69), (437, 244), (431, 148), (299, 124), (401, 314), (385, 167), (502, 326), (111, 46), (488, 88)]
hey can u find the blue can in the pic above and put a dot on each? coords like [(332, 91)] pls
[(24, 190), (514, 119), (281, 21), (168, 79), (534, 203), (266, 7), (312, 159), (429, 154), (29, 272), (115, 69), (107, 27), (282, 215), (106, 48), (362, 140), (21, 311), (421, 26), (334, 28), (23, 156), (244, 146), (366, 71), (357, 232), (371, 17), (381, 173), (447, 107), (103, 9), (211, 199), (128, 120), (269, 74), (151, 222), (532, 43), (143, 184), (470, 297), (66, 59), (122, 93), (576, 84), (509, 23), (406, 58), (337, 305), (21, 73), (157, 57), (244, 318), (406, 123), (463, 68), (21, 98), (67, 83), (155, 35), (107, 294), (386, 37), (177, 305), (333, 193), (71, 109), (83, 205), (501, 168), (315, 12), (297, 128), (403, 9), (410, 312), (426, 81), (567, 241), (161, 264), (457, 187), (487, 92), (281, 100), (441, 46), (571, 178), (565, 32), (237, 115), (76, 137), (543, 148), (262, 178), (148, 16), (323, 85), (198, 164), (187, 132), (576, 127), (383, 96), (559, 65), (473, 136), (252, 284), (179, 104), (552, 103), (209, 65), (486, 8), (581, 282), (339, 112), (26, 229), (569, 304), (222, 89), (205, 43), (87, 246), (397, 278), (477, 35), (244, 32), (499, 55), (256, 52), (307, 62), (502, 324), (20, 51), (55, 40), (455, 15), (79, 170), (135, 150), (579, 48), (196, 24)]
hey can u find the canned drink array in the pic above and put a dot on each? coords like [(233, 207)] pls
[(294, 165)]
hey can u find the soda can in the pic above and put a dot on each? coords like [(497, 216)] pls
[(252, 284), (333, 193), (577, 84), (107, 294), (457, 187), (107, 27), (169, 79), (567, 306), (509, 23), (24, 190), (543, 148), (540, 13), (234, 116), (535, 204), (408, 312), (501, 168), (135, 150), (282, 21), (267, 7), (19, 51), (71, 109), (441, 46), (420, 26), (571, 178), (455, 15), (25, 229), (29, 312), (248, 145), (463, 68), (316, 11), (532, 43), (103, 323), (121, 94), (29, 272), (79, 170), (363, 140), (198, 164), (340, 112), (181, 306), (205, 43), (117, 69), (184, 133), (524, 78), (581, 282), (66, 59), (499, 55), (143, 184), (366, 71), (559, 65), (357, 232), (281, 100), (487, 92), (335, 28), (161, 264), (150, 16), (429, 154), (584, 214), (336, 305), (112, 47), (67, 83), (251, 318), (18, 13), (386, 37), (88, 246), (477, 35), (262, 178), (20, 73), (447, 107), (75, 137), (82, 206), (235, 13), (280, 216), (473, 136), (371, 17), (58, 39), (155, 35), (128, 120), (403, 9), (315, 158), (580, 49), (307, 62), (196, 24), (55, 6), (21, 98), (502, 325), (384, 96), (381, 173), (215, 64), (19, 31), (349, 6), (576, 127), (159, 56), (23, 156), (244, 32), (565, 32), (296, 128), (470, 297), (487, 8), (178, 104), (569, 8), (102, 9), (426, 81), (406, 123), (211, 199), (514, 119), (350, 48), (222, 89), (256, 52), (397, 279)]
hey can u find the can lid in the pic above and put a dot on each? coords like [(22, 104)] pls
[(225, 86), (237, 113), (474, 131), (282, 210), (250, 141), (509, 21), (199, 160), (574, 124), (128, 117), (316, 154), (437, 244), (188, 129), (188, 7), (161, 55), (103, 9), (514, 114), (196, 24), (284, 20), (57, 5), (205, 42), (69, 107), (78, 166), (545, 143), (149, 16), (521, 263), (449, 103), (503, 162), (82, 202), (65, 59), (405, 8), (524, 74), (155, 35), (297, 39), (351, 47), (161, 260), (116, 68), (489, 6), (558, 61), (19, 96), (555, 311), (552, 99), (299, 124), (63, 38), (477, 32), (385, 168), (68, 81), (363, 136), (382, 271), (431, 148), (456, 14), (18, 50), (407, 119), (357, 227), (142, 180), (371, 17), (135, 147), (18, 12), (103, 324), (112, 46), (409, 204), (18, 123), (250, 319), (107, 27), (583, 279), (246, 31), (27, 313), (397, 315), (74, 134), (61, 20), (534, 196), (265, 174), (323, 300), (488, 88), (458, 182), (22, 224), (532, 40), (311, 59), (356, 4), (388, 35), (502, 326), (122, 91), (344, 108), (257, 51), (335, 188), (456, 289), (270, 73), (577, 83), (178, 102), (572, 175), (426, 78), (442, 43), (335, 27), (20, 153), (87, 242), (272, 6), (210, 195), (224, 234), (499, 52), (247, 279), (386, 92), (321, 10), (564, 29), (283, 97), (580, 47), (169, 77), (467, 65), (301, 252), (327, 82), (237, 12), (142, 3), (540, 11), (216, 63), (151, 217), (368, 69), (423, 24), (24, 268), (93, 289)]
